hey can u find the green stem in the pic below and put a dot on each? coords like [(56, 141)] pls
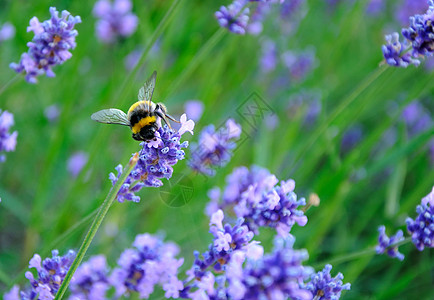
[(9, 83), (95, 225), (126, 85), (358, 254), (342, 106), (197, 59)]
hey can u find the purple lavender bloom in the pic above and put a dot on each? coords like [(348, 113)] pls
[(115, 19), (351, 137), (214, 148), (51, 273), (324, 286), (52, 113), (227, 239), (394, 53), (274, 276), (421, 32), (7, 31), (233, 18), (386, 244), (375, 7), (407, 8), (149, 263), (76, 162), (417, 118), (156, 159), (255, 196), (194, 109), (53, 40), (13, 294), (299, 64), (90, 281), (8, 141), (422, 228), (268, 61)]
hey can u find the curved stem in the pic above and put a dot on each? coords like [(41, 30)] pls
[(9, 83), (95, 225), (361, 253)]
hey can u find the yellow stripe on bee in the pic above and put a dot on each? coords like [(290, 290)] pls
[(142, 123), (134, 106)]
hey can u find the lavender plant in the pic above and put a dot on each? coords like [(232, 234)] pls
[(8, 141), (51, 45), (114, 20), (419, 37), (214, 148), (156, 159)]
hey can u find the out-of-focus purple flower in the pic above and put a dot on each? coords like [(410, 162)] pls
[(234, 17), (7, 31), (214, 148), (268, 61), (155, 161), (132, 59), (417, 118), (52, 113), (151, 262), (255, 196), (388, 245), (375, 7), (13, 294), (351, 137), (194, 109), (407, 8), (307, 103), (51, 273), (271, 121), (420, 33), (8, 141), (394, 52), (422, 228), (323, 286), (90, 281), (274, 276), (299, 64), (76, 162), (115, 19), (53, 40)]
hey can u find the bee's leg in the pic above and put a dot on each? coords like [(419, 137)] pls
[(162, 107), (163, 117)]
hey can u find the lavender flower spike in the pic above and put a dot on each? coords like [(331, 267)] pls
[(8, 140), (275, 276), (149, 263), (386, 244), (394, 53), (155, 161), (323, 286), (422, 228), (214, 148), (255, 196), (234, 17), (115, 20), (421, 32), (51, 273), (90, 281), (53, 40)]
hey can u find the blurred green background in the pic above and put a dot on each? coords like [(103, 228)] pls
[(44, 207)]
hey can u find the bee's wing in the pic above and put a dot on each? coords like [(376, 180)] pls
[(146, 91), (111, 116)]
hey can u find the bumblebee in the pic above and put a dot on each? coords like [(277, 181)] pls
[(141, 116)]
